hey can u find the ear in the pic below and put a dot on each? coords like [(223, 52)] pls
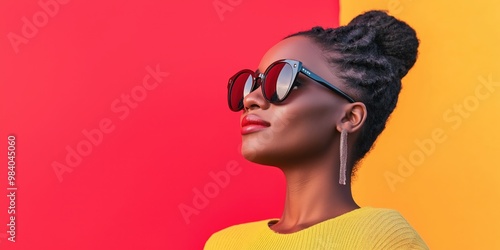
[(353, 117)]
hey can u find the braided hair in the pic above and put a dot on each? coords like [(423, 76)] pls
[(373, 52)]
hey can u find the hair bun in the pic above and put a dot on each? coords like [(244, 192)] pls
[(394, 38)]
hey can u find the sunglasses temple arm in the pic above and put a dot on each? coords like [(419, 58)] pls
[(318, 79)]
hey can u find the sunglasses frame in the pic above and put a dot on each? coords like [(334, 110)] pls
[(297, 67)]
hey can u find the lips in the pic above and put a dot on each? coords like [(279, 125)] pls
[(253, 123)]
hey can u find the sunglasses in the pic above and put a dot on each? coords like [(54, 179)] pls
[(277, 81)]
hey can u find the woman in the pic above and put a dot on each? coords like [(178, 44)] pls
[(314, 108)]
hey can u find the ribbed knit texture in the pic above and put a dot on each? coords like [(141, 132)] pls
[(363, 228)]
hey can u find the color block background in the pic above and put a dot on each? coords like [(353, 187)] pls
[(437, 161), (123, 134)]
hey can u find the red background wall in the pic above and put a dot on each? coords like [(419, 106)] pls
[(68, 67)]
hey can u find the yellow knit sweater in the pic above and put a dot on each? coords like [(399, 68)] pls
[(363, 228)]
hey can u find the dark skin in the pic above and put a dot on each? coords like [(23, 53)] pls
[(304, 137)]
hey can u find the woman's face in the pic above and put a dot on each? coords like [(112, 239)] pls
[(304, 126)]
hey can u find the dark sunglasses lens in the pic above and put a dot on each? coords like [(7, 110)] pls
[(278, 82), (242, 86)]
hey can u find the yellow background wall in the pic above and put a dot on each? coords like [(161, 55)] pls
[(437, 162)]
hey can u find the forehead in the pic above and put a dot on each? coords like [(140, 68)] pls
[(298, 48)]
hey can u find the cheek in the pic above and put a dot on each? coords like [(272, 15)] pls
[(311, 127), (296, 130)]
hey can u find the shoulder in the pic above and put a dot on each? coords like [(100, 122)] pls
[(382, 214), (247, 226), (389, 229), (224, 236)]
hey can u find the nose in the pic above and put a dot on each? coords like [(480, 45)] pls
[(255, 100)]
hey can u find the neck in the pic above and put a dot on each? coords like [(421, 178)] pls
[(313, 194)]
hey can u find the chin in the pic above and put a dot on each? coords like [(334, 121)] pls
[(252, 155), (257, 156), (263, 156)]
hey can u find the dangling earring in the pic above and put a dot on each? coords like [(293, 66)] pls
[(343, 157)]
